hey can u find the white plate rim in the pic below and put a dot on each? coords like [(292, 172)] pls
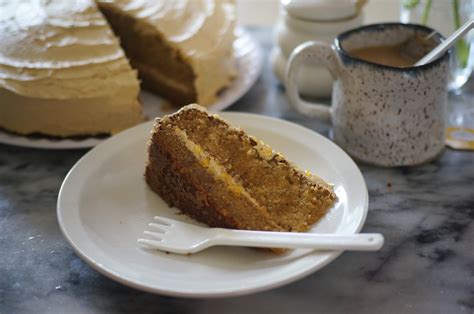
[(239, 87), (302, 271)]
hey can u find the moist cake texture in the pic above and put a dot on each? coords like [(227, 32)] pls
[(219, 175)]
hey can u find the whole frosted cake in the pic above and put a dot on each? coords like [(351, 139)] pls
[(64, 73)]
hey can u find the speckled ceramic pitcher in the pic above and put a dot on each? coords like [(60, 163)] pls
[(381, 115)]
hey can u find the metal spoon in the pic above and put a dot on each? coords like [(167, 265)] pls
[(446, 44)]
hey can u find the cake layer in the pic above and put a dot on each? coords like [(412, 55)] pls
[(295, 200)]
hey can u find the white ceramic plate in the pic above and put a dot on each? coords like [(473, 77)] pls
[(249, 63), (104, 206)]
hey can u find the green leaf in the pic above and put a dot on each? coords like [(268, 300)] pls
[(426, 12), (462, 47), (462, 52), (410, 4)]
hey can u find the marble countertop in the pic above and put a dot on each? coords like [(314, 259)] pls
[(425, 213)]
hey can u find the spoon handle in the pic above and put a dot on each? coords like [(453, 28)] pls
[(445, 45)]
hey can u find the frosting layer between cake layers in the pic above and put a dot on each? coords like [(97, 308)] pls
[(201, 30), (62, 71)]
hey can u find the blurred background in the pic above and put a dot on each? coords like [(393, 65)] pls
[(265, 12)]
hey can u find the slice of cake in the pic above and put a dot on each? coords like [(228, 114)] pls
[(183, 50), (62, 71), (219, 175)]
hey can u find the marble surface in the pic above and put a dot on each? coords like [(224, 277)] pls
[(425, 213)]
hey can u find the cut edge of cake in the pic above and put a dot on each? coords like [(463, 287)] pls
[(182, 73)]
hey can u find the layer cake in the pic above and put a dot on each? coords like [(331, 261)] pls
[(219, 175)]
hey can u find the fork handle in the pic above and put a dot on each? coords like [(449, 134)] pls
[(322, 241)]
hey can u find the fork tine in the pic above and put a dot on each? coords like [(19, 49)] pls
[(155, 235), (151, 243), (164, 221), (158, 227), (163, 246)]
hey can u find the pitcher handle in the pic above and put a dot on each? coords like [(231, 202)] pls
[(316, 52)]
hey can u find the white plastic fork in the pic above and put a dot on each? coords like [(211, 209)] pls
[(182, 238)]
